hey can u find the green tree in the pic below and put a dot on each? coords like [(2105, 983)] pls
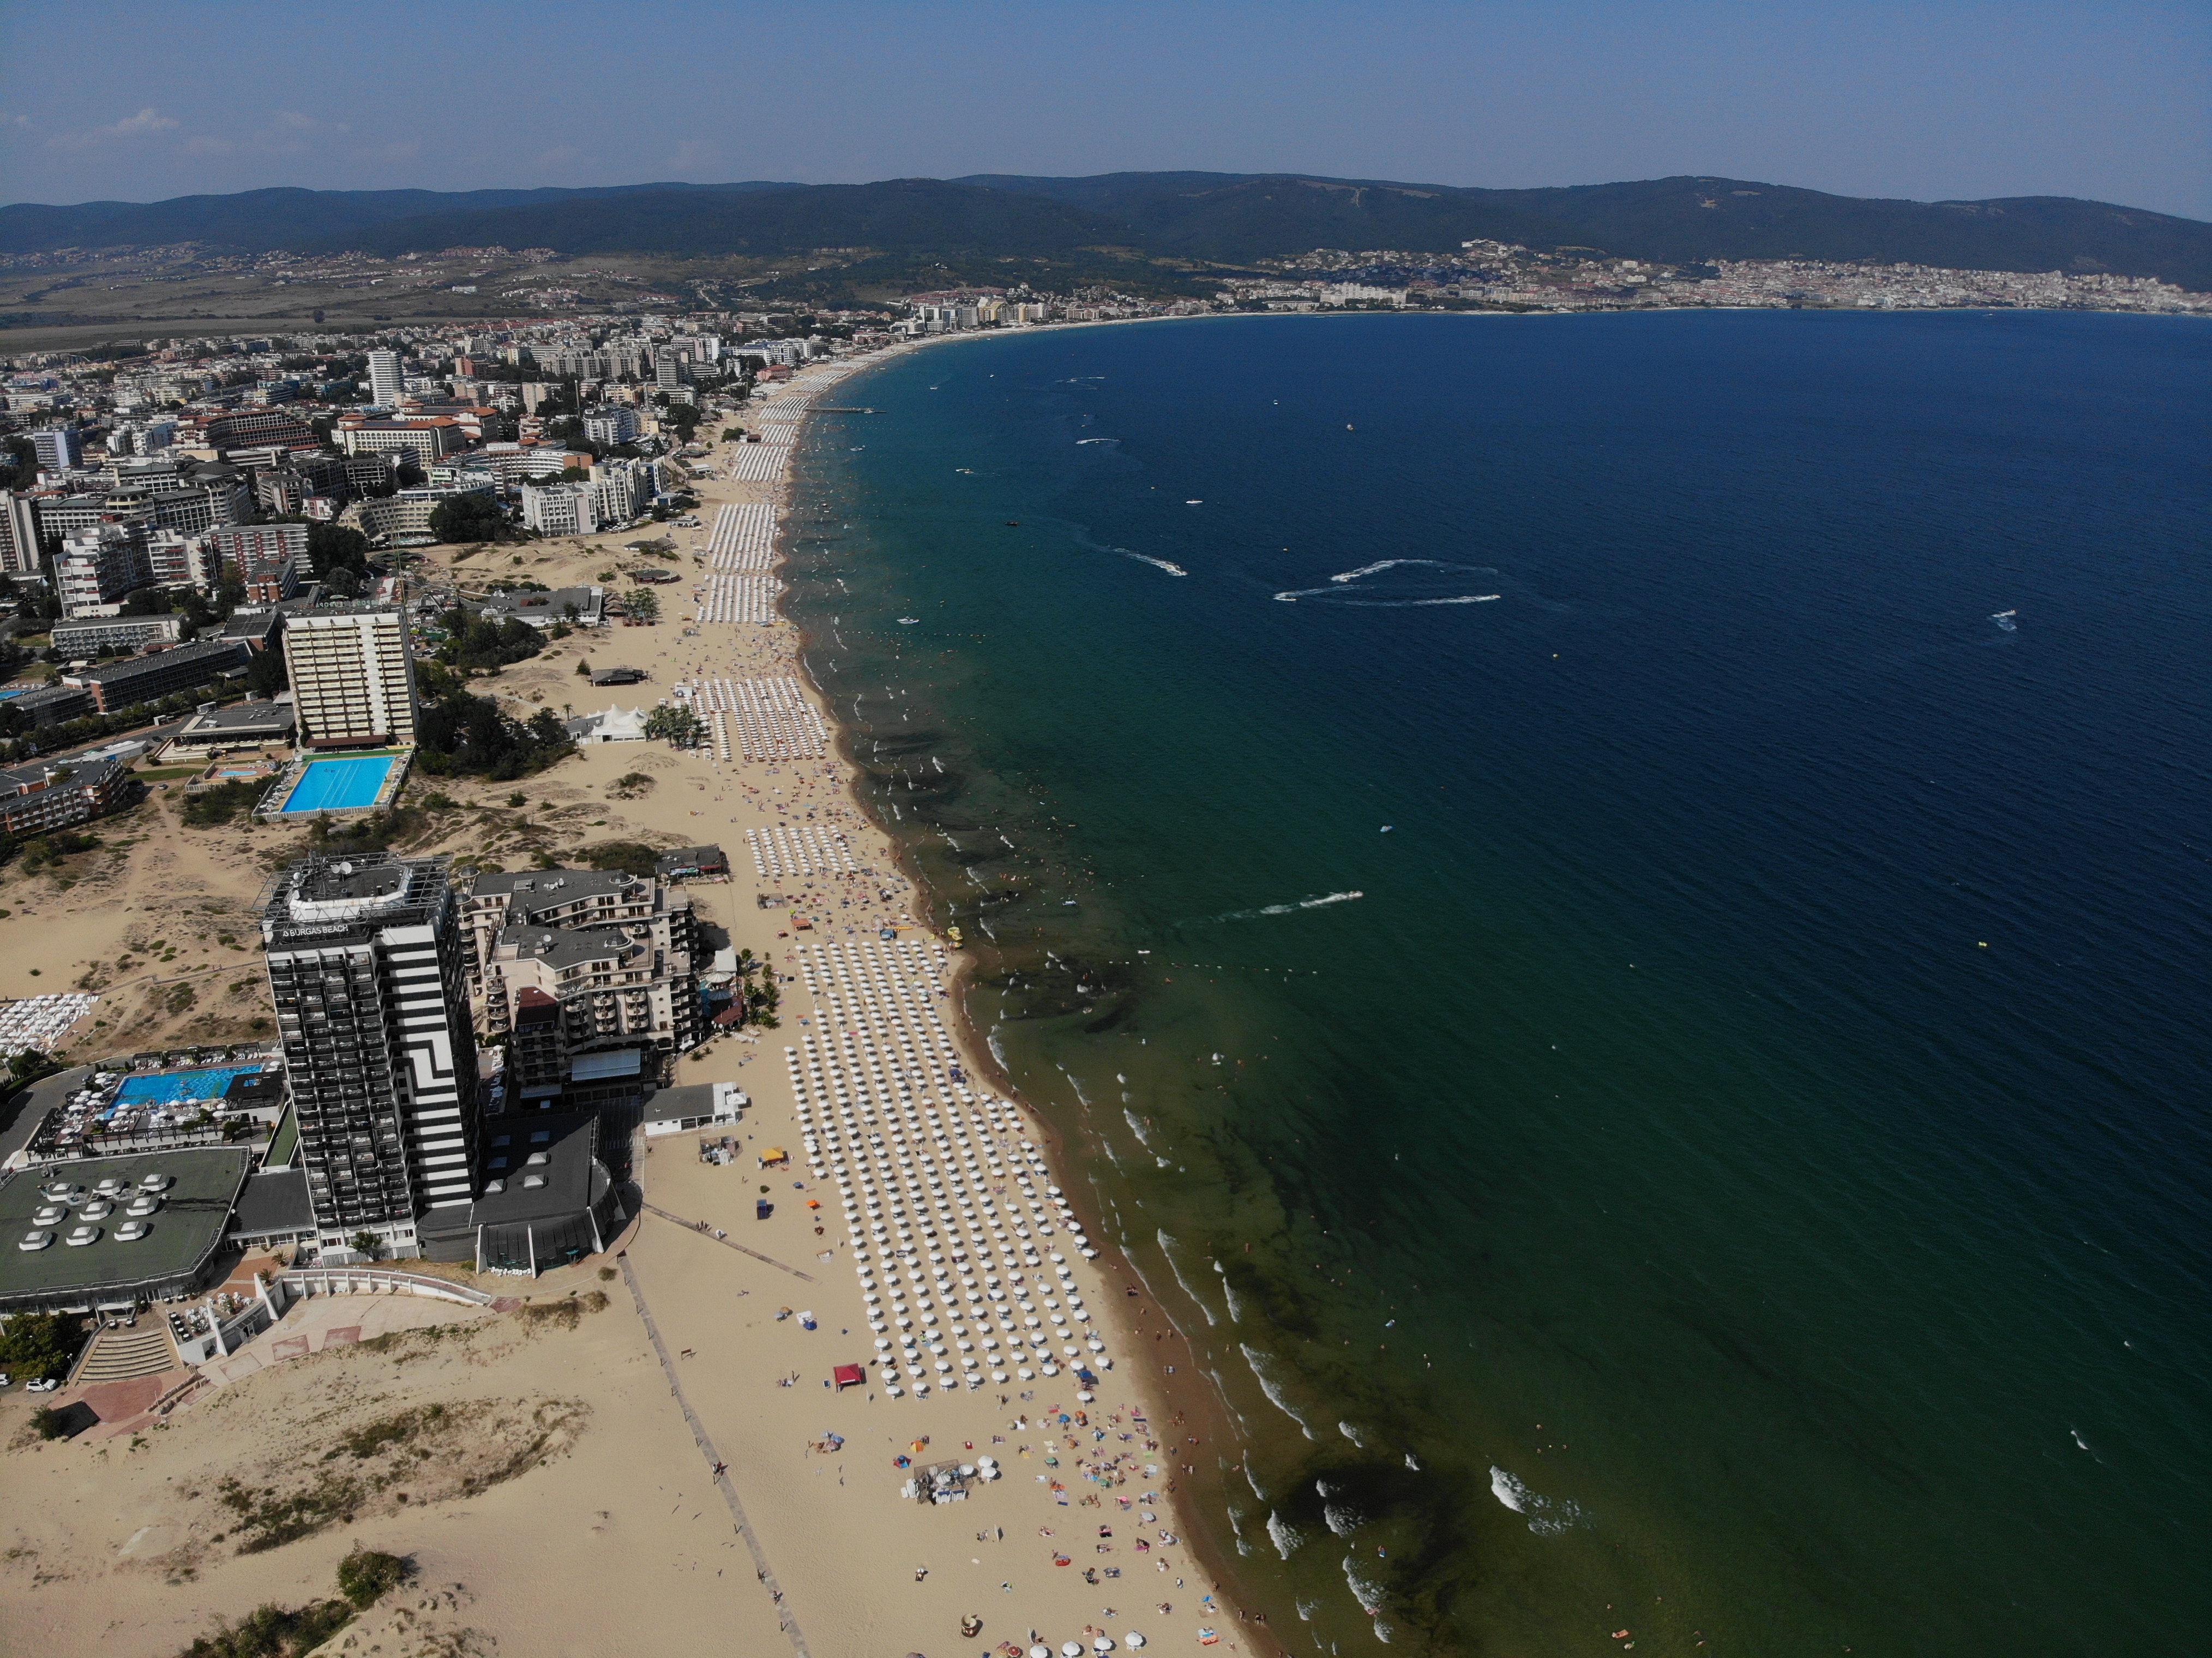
[(40, 1345), (681, 727), (467, 518), (334, 546)]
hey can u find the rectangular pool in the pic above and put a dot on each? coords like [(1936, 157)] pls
[(179, 1085), (339, 785)]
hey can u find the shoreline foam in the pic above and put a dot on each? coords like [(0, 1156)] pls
[(1181, 1398)]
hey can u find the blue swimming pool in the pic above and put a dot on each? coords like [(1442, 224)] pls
[(180, 1085), (339, 785)]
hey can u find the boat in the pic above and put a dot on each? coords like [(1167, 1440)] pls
[(908, 621)]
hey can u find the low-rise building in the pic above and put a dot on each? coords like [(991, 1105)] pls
[(49, 794), (617, 986), (610, 724), (138, 679), (52, 705), (571, 898), (426, 440), (408, 512), (692, 863), (579, 607), (116, 633), (215, 730)]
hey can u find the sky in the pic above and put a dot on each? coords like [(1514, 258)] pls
[(1931, 100)]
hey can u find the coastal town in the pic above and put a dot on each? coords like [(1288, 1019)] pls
[(456, 1006), (461, 1025)]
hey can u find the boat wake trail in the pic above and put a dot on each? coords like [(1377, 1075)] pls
[(1415, 588), (1157, 563), (1322, 902)]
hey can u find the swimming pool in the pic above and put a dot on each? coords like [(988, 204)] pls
[(339, 785), (179, 1085)]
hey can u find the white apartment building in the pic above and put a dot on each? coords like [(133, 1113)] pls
[(620, 490), (611, 424), (100, 564), (179, 560), (429, 438), (385, 382), (560, 509), (353, 678)]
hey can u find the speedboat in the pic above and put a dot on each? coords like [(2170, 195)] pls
[(910, 620)]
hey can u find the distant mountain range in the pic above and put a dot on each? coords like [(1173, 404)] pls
[(1138, 220)]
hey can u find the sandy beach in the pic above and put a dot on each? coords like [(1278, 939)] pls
[(709, 1490)]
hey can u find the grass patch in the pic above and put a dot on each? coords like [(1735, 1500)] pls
[(565, 1314), (269, 1520), (365, 1443), (628, 856), (222, 802)]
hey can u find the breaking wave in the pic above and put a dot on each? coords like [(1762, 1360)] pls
[(1168, 1248), (1259, 1362), (1547, 1516)]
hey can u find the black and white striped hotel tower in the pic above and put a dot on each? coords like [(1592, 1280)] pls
[(366, 970)]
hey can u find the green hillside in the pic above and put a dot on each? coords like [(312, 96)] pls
[(1153, 226), (903, 215)]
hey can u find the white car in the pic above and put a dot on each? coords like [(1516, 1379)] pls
[(81, 1236), (131, 1230), (45, 1385), (38, 1240)]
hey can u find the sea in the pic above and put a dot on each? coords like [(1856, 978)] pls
[(1610, 912)]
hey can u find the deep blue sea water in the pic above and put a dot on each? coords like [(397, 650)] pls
[(1737, 1171)]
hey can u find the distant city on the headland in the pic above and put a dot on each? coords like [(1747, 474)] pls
[(1120, 244)]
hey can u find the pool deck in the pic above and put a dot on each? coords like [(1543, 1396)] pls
[(275, 803)]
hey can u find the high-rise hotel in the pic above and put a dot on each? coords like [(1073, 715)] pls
[(367, 969), (353, 678)]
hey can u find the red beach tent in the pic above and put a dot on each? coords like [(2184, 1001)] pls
[(847, 1375)]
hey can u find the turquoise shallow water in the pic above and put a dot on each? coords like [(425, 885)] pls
[(1727, 1161)]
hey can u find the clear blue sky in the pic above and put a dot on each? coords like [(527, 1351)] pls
[(1931, 99)]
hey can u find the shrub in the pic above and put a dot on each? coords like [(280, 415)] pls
[(629, 856), (220, 804), (271, 1631), (366, 1576)]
